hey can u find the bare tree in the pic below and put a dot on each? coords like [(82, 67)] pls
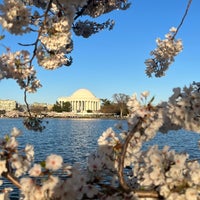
[(121, 100)]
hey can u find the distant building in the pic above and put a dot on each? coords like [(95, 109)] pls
[(82, 101), (36, 107), (8, 105), (44, 105)]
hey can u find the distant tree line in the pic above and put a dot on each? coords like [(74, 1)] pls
[(117, 106)]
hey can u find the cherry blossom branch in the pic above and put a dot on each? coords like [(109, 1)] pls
[(146, 194), (27, 104), (34, 54), (183, 18), (79, 14), (122, 181), (123, 184), (26, 45), (11, 179)]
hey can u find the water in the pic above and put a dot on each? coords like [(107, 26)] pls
[(74, 139), (182, 141)]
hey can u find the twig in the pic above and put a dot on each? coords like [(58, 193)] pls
[(183, 18), (12, 179), (146, 194), (82, 10), (27, 44), (26, 102)]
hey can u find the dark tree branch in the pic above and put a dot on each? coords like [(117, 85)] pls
[(183, 18), (122, 181)]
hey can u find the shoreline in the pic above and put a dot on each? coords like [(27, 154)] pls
[(67, 115)]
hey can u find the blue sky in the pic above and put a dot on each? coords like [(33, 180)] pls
[(113, 61)]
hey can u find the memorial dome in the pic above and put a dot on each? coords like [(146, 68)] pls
[(83, 94)]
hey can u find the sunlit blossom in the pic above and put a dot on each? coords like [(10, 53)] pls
[(12, 143), (164, 54), (3, 167), (15, 132), (35, 170), (53, 162)]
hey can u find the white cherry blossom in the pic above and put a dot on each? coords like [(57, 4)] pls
[(35, 170), (53, 162), (3, 167)]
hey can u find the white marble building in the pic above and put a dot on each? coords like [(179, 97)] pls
[(8, 105), (82, 101)]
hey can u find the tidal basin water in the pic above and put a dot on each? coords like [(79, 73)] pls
[(75, 139)]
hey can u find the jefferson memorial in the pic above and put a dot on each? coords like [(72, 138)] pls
[(82, 101)]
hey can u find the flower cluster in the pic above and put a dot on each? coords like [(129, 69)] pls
[(16, 66), (106, 155), (55, 34), (87, 28), (40, 186), (15, 16), (170, 172), (184, 108), (151, 116), (96, 8), (51, 60), (164, 54), (18, 161)]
